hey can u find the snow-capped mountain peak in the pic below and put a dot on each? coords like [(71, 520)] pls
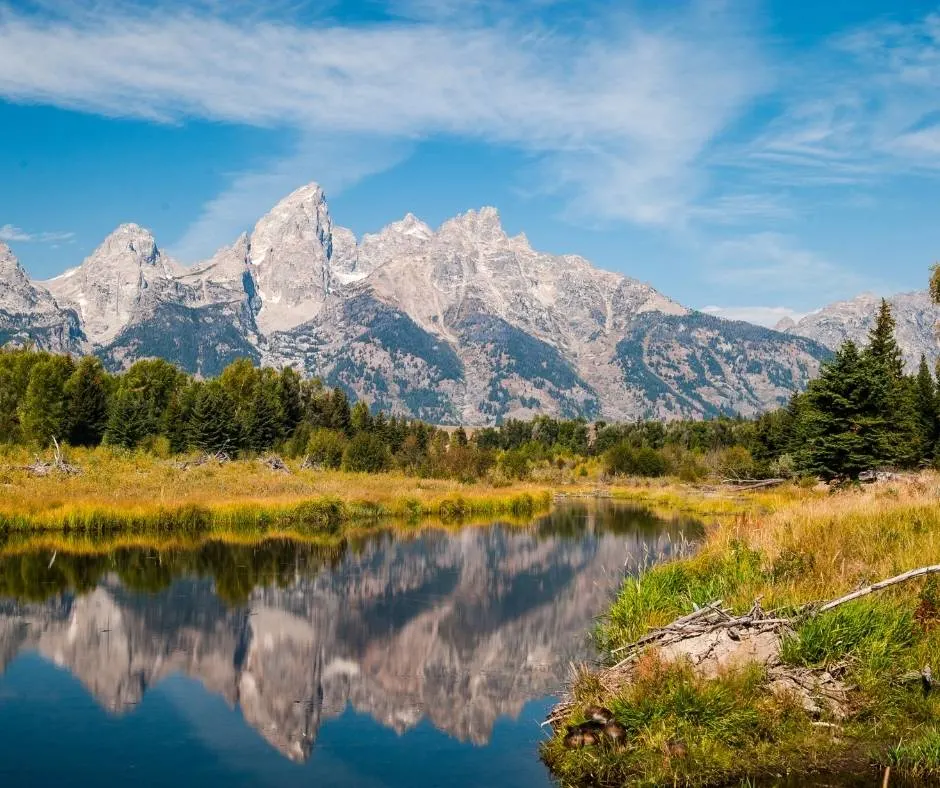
[(462, 324)]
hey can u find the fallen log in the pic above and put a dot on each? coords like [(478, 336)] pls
[(753, 484), (818, 608)]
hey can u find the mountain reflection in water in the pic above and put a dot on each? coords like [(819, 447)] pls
[(456, 627)]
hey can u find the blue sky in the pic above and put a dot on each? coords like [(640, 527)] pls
[(760, 157)]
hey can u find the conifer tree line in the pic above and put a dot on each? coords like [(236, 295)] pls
[(862, 412)]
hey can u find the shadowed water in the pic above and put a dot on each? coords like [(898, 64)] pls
[(406, 659)]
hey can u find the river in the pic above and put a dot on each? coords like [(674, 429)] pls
[(421, 657)]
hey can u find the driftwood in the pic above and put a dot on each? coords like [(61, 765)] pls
[(869, 589), (219, 457), (753, 484), (58, 465), (275, 463)]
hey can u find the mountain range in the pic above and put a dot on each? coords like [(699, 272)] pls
[(463, 324)]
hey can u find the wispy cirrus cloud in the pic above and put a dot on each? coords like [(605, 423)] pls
[(617, 117), (777, 265), (862, 107), (13, 234)]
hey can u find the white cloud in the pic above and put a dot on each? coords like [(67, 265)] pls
[(769, 316), (14, 234), (775, 265), (861, 108), (618, 117)]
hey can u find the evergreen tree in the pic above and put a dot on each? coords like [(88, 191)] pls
[(882, 345), (16, 364), (212, 426), (44, 409), (337, 412), (153, 382), (360, 418), (177, 417), (459, 438), (928, 411), (87, 392), (892, 395), (291, 402), (129, 420), (838, 432), (264, 417)]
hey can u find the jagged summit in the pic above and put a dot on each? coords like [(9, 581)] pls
[(290, 250), (459, 324), (29, 314), (916, 316), (116, 282)]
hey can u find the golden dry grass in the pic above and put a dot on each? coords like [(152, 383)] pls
[(138, 487)]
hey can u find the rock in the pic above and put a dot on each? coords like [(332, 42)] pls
[(29, 315)]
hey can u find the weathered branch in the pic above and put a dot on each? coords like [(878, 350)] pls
[(744, 485), (891, 581)]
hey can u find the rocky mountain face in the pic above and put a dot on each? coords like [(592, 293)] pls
[(29, 315), (457, 628), (459, 324), (916, 315)]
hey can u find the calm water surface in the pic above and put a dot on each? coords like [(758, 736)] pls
[(426, 659)]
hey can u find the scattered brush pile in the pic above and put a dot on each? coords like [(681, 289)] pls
[(218, 458), (274, 462), (59, 464)]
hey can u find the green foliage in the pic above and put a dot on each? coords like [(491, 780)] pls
[(326, 447), (366, 453), (15, 367), (44, 411), (927, 404), (871, 631), (128, 421), (624, 459), (87, 395), (861, 413), (213, 426)]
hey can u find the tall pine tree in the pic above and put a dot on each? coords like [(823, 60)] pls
[(87, 393), (212, 425), (928, 413), (839, 431), (892, 396)]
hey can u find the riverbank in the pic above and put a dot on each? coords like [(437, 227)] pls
[(686, 726), (137, 492)]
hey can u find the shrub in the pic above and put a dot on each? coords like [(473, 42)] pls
[(623, 459), (366, 453), (326, 447)]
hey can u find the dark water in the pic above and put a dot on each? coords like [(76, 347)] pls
[(421, 660)]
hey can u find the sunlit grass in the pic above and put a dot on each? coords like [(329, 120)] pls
[(790, 547), (140, 492)]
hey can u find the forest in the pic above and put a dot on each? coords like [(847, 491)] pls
[(861, 413)]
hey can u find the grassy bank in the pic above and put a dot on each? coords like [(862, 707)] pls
[(795, 547), (134, 493)]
